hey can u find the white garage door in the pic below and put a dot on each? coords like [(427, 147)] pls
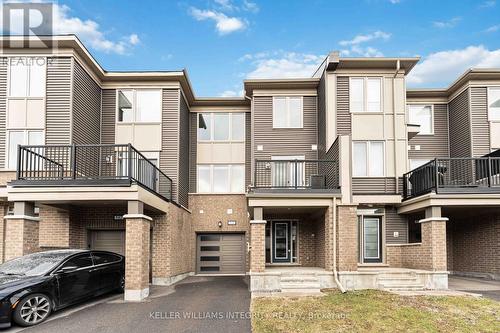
[(221, 254), (108, 240)]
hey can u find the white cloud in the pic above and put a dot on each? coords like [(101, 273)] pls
[(488, 4), (281, 64), (356, 49), (445, 66), (230, 5), (447, 24), (358, 39), (250, 6), (87, 30), (394, 1), (223, 23), (225, 5), (231, 93), (493, 28)]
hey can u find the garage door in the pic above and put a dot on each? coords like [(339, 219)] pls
[(221, 254), (108, 240)]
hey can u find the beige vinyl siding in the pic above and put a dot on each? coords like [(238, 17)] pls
[(3, 110), (479, 121), (460, 127), (248, 149), (193, 147), (58, 111), (169, 154), (436, 145), (108, 117), (284, 141), (86, 107), (183, 186), (322, 118), (395, 223), (373, 185), (343, 114)]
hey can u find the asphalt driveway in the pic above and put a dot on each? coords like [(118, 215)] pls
[(196, 304), (487, 288)]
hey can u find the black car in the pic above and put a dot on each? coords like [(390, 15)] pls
[(33, 286)]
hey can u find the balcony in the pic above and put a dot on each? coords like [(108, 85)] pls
[(89, 165), (310, 176), (454, 175)]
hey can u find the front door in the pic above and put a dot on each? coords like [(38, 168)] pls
[(372, 239), (282, 242)]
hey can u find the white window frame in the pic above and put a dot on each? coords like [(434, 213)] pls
[(423, 106), (212, 123), (287, 112), (368, 158), (211, 180), (365, 95), (7, 143), (134, 106), (490, 116)]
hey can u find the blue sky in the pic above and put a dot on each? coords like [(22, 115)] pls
[(222, 42)]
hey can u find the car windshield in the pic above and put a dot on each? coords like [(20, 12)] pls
[(33, 264)]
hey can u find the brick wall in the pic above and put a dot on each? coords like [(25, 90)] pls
[(6, 176), (347, 238), (137, 254), (257, 247), (54, 227), (21, 238)]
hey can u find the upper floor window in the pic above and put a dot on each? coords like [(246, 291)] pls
[(365, 94), (139, 105), (218, 126), (494, 104), (288, 112), (221, 178), (368, 159), (27, 77), (422, 115)]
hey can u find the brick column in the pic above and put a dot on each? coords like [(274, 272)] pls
[(434, 239), (347, 238), (328, 221), (137, 245), (21, 231), (258, 242)]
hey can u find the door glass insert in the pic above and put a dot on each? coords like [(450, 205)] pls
[(281, 241), (371, 238)]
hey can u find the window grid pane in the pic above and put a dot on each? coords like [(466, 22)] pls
[(238, 126), (18, 77), (494, 103), (204, 179), (237, 178), (356, 94), (360, 159), (373, 95), (204, 126), (421, 115), (295, 112), (376, 159), (221, 126), (125, 105), (148, 106), (279, 112), (37, 78), (220, 179)]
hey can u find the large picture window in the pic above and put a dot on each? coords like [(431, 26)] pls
[(422, 115), (365, 94), (288, 112), (139, 106), (218, 126), (494, 104), (27, 77), (221, 178), (368, 159)]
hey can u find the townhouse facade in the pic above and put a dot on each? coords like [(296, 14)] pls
[(343, 180)]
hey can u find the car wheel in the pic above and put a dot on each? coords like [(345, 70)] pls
[(32, 310)]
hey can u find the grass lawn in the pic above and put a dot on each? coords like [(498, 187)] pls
[(375, 311)]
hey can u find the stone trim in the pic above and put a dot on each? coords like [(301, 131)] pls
[(136, 295), (432, 219), (258, 221), (137, 216), (167, 281), (21, 217)]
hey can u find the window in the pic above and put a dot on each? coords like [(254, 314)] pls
[(27, 77), (422, 115), (221, 126), (21, 137), (365, 94), (369, 159), (287, 112), (105, 258), (79, 261), (139, 105), (221, 178), (494, 104), (415, 163)]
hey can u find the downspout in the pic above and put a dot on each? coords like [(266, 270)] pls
[(337, 282), (398, 67)]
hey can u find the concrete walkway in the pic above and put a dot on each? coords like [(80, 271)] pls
[(487, 288), (196, 304)]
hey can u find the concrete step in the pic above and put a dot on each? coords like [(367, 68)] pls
[(299, 279), (301, 291), (290, 285), (397, 278), (412, 288)]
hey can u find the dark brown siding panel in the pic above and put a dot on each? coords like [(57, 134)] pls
[(248, 149), (369, 185), (193, 147), (395, 223), (460, 127), (322, 118), (169, 155), (479, 119), (3, 109), (86, 107), (108, 120), (183, 186), (284, 141), (58, 111), (433, 146), (343, 114)]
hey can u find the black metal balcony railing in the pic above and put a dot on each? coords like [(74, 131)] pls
[(90, 165), (453, 175), (296, 174)]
